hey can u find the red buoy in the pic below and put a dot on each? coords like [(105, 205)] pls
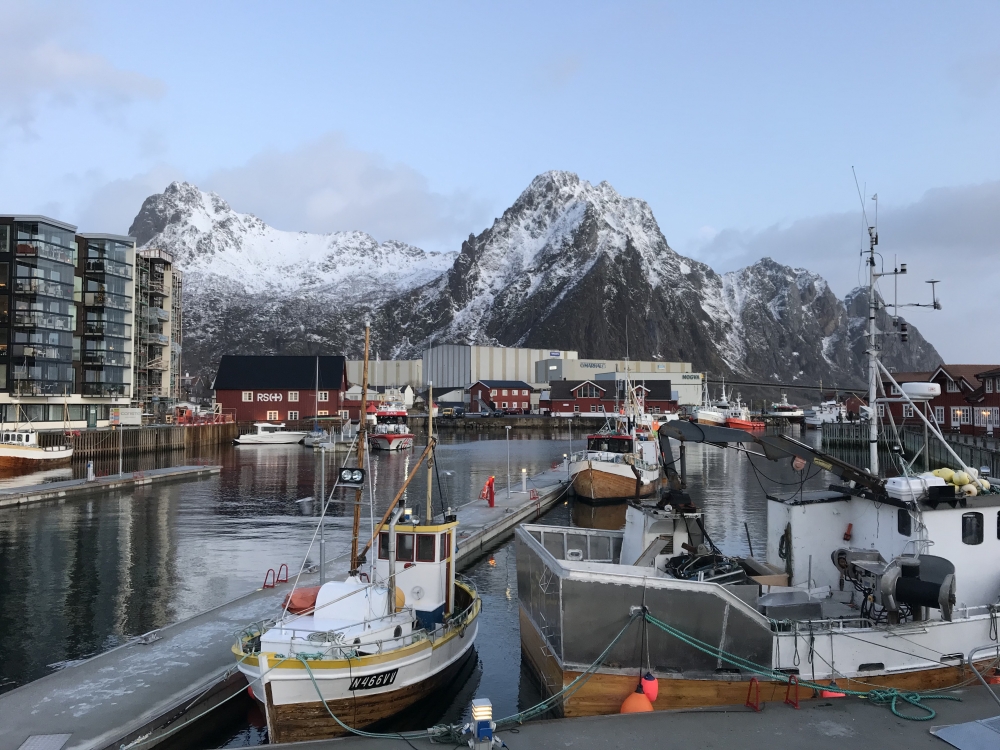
[(650, 687), (637, 702)]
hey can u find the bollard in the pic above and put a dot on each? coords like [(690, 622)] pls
[(524, 480), (566, 463), (90, 471)]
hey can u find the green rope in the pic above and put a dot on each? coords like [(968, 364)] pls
[(881, 697)]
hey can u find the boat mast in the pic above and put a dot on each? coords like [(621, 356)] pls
[(362, 439), (872, 355), (430, 458), (316, 396)]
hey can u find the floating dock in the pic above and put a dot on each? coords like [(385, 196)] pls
[(74, 488), (822, 724), (138, 694)]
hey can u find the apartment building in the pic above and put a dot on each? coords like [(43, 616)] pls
[(158, 332)]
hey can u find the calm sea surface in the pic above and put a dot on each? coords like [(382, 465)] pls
[(80, 577)]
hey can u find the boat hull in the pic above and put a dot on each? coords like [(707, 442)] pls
[(272, 438), (744, 424), (593, 482), (391, 442), (17, 457), (711, 418)]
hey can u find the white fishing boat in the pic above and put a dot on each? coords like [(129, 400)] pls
[(711, 412), (19, 449), (784, 410), (362, 649), (877, 583), (826, 413), (267, 433), (391, 432), (623, 459)]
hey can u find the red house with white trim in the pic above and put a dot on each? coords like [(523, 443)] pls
[(507, 395), (282, 388), (596, 398), (961, 405)]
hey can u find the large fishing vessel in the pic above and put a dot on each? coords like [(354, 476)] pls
[(876, 583), (784, 410), (353, 652), (391, 432), (826, 412), (711, 412)]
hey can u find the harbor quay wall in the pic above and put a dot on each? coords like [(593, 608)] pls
[(532, 421), (138, 440)]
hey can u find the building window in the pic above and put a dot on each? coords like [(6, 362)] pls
[(587, 390), (524, 392), (524, 404), (425, 547), (972, 528), (989, 385), (593, 408), (952, 386), (272, 416), (247, 396), (493, 392), (293, 395), (324, 395), (322, 413), (504, 404), (504, 392), (966, 416), (895, 391), (576, 408), (656, 410), (881, 411), (293, 415), (956, 415), (907, 411), (939, 414)]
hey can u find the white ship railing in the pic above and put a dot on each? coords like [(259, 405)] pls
[(613, 458)]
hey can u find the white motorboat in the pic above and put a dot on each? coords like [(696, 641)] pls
[(266, 433), (785, 410), (826, 412)]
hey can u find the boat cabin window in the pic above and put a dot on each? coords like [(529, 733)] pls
[(446, 542), (972, 528), (610, 444), (404, 547), (20, 437), (425, 547), (904, 524), (383, 546)]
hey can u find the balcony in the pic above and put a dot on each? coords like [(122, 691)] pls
[(112, 301), (157, 315), (155, 339), (29, 249), (43, 287), (50, 353), (102, 358), (106, 328), (42, 320), (109, 267), (107, 390)]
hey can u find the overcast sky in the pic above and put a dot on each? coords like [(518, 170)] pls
[(737, 122)]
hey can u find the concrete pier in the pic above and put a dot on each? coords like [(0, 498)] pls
[(74, 488), (145, 689), (818, 725)]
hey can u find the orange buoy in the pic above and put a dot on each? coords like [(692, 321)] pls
[(833, 692), (650, 687), (636, 703), (302, 600)]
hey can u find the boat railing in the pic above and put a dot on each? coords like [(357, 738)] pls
[(797, 627), (613, 458)]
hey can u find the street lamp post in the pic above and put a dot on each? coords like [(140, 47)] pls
[(507, 427)]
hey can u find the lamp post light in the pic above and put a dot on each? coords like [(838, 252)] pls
[(507, 427)]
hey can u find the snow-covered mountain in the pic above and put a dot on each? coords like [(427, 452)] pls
[(569, 265)]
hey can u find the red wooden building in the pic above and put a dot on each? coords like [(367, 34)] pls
[(507, 395), (282, 388), (595, 398), (964, 404)]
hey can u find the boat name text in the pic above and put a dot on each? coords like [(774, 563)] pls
[(374, 680)]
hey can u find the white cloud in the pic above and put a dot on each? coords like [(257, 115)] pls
[(952, 234), (43, 61), (326, 185), (112, 206)]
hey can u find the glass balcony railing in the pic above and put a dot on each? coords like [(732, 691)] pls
[(102, 358), (44, 287), (157, 339), (157, 314), (37, 319), (51, 353), (109, 266), (106, 328), (102, 299), (106, 389), (30, 249)]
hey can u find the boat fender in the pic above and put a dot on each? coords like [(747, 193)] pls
[(400, 599), (960, 479), (650, 687), (832, 693), (637, 702), (849, 533)]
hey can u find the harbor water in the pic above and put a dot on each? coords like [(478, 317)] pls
[(82, 576)]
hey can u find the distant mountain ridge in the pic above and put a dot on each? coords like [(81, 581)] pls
[(569, 265)]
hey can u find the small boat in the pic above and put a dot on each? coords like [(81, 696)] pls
[(19, 449), (391, 432), (315, 437), (738, 417), (709, 412), (396, 629), (785, 410), (621, 461), (826, 412), (267, 433)]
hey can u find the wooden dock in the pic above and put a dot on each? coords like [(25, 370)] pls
[(150, 687), (73, 488), (106, 443)]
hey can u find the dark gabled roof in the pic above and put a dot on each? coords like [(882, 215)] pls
[(968, 373), (504, 384), (237, 373), (657, 390), (565, 388)]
